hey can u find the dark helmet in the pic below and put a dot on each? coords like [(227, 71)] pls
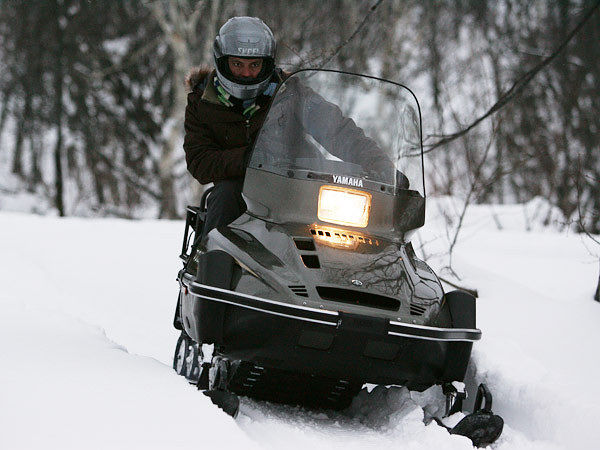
[(244, 37)]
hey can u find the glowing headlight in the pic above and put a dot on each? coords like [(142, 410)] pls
[(344, 206)]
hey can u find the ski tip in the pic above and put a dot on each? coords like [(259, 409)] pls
[(482, 427), (228, 402)]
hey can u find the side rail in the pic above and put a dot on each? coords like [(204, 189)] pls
[(194, 222)]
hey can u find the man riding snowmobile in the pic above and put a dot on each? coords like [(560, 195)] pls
[(227, 107), (315, 289)]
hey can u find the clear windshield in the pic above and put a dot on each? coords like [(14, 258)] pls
[(342, 125)]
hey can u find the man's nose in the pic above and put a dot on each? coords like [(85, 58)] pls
[(246, 71)]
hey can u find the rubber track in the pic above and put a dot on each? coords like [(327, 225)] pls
[(281, 386)]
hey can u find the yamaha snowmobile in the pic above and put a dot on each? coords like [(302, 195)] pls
[(316, 289)]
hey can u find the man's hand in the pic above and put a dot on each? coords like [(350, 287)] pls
[(401, 180)]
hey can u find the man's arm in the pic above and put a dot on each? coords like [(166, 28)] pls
[(206, 160), (340, 135)]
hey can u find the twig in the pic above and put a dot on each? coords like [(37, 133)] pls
[(583, 227), (352, 36), (579, 213), (142, 51), (127, 178)]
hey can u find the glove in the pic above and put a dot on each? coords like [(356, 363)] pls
[(401, 180)]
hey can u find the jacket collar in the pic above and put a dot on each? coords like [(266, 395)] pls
[(210, 92), (211, 95)]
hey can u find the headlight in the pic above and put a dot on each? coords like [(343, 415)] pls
[(344, 206)]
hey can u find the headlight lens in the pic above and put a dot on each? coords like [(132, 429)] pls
[(344, 206)]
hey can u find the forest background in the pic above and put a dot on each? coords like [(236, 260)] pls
[(92, 95)]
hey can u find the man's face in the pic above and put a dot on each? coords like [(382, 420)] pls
[(245, 68)]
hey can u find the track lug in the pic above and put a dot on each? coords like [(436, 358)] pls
[(203, 380), (228, 402)]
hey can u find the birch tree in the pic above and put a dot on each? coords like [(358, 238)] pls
[(178, 21)]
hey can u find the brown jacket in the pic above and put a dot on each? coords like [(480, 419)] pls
[(216, 136)]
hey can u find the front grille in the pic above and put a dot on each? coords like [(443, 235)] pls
[(299, 290), (307, 245), (335, 235), (311, 261), (359, 298), (417, 310)]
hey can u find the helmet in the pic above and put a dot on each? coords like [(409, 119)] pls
[(244, 37)]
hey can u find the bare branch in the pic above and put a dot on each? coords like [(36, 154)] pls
[(474, 183), (351, 37), (159, 15), (580, 219), (518, 85), (131, 60), (190, 24), (127, 177)]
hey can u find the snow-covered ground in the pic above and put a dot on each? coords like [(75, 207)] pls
[(86, 343)]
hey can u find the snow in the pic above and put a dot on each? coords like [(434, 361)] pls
[(86, 343)]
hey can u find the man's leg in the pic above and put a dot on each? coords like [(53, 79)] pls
[(215, 268), (224, 205)]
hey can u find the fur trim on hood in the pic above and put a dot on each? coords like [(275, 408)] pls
[(195, 76)]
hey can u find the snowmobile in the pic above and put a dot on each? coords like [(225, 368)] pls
[(316, 289)]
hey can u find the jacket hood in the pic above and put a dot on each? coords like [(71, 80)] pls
[(195, 76)]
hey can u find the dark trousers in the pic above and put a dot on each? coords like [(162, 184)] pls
[(224, 204)]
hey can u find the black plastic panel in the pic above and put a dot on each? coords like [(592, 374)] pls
[(358, 298), (311, 261)]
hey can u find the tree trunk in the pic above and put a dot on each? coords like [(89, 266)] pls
[(4, 109), (92, 162), (17, 165), (35, 174), (178, 23), (58, 113), (22, 132), (211, 27), (597, 295), (168, 207)]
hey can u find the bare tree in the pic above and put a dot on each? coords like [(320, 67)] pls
[(178, 21)]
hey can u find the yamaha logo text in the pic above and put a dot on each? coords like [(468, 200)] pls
[(356, 182)]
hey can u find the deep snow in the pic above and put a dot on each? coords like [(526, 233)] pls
[(86, 344)]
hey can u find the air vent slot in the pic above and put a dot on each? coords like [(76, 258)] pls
[(417, 310), (358, 298), (299, 290), (311, 261), (307, 245)]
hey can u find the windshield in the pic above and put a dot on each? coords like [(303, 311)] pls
[(353, 127)]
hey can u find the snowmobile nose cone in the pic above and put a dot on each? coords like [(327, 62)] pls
[(424, 292)]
